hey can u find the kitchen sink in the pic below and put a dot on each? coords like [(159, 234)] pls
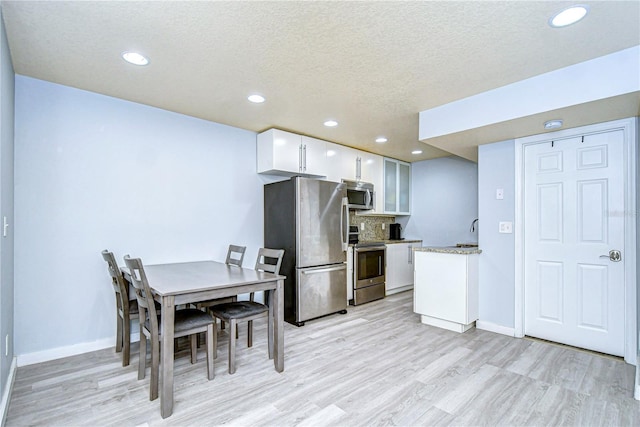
[(466, 245)]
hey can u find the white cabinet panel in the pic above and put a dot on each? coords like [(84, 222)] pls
[(341, 162), (399, 272), (314, 157), (373, 172), (288, 154), (446, 289)]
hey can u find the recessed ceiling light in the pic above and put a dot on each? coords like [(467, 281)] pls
[(135, 58), (381, 140), (569, 16), (256, 99), (331, 123), (553, 124), (416, 152)]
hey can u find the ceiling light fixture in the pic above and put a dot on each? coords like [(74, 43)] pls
[(381, 140), (416, 152), (569, 16), (331, 123), (553, 124), (135, 58), (256, 99)]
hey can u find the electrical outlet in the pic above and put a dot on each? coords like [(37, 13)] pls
[(506, 227), (383, 225), (362, 226), (499, 193)]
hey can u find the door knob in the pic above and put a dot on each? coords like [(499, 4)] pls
[(614, 255)]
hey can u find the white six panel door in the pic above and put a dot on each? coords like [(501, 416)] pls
[(574, 214)]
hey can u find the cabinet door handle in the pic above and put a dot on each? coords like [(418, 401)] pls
[(300, 158), (358, 168), (410, 255), (304, 157)]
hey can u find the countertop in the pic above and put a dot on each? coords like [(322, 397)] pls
[(449, 250), (390, 242)]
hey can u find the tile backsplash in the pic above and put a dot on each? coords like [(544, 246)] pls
[(372, 226)]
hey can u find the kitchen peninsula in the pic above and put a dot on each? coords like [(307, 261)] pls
[(446, 286)]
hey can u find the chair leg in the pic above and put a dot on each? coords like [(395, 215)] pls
[(249, 333), (126, 344), (233, 324), (270, 327), (212, 331), (155, 369), (119, 333), (215, 338), (194, 348), (142, 358)]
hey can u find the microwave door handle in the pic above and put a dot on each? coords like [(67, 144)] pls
[(367, 201)]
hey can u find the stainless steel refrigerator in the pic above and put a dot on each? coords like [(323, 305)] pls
[(309, 219)]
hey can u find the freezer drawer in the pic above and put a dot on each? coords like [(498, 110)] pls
[(321, 291)]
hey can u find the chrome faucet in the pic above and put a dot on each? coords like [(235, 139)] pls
[(473, 225)]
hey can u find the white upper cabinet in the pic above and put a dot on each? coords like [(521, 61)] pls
[(285, 153), (372, 170), (314, 156), (341, 162), (397, 187)]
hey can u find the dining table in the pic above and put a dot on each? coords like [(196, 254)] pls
[(184, 283)]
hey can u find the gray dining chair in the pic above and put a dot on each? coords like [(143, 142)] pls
[(268, 260), (126, 309), (235, 256), (187, 322)]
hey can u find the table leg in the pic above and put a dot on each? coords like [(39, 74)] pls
[(278, 326), (166, 375)]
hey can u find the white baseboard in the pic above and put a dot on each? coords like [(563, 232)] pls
[(498, 329), (6, 394), (398, 290), (71, 350)]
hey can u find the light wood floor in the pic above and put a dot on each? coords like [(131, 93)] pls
[(376, 365)]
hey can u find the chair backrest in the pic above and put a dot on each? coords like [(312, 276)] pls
[(119, 285), (235, 255), (266, 258), (146, 306)]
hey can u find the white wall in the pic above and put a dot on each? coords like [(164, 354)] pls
[(496, 169), (95, 172), (6, 207), (444, 202)]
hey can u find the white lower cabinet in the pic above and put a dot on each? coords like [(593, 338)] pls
[(446, 290), (399, 271)]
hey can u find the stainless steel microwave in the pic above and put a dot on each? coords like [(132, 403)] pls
[(361, 195)]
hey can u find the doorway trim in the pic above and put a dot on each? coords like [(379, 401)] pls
[(629, 127)]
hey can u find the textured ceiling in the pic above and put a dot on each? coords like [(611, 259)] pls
[(372, 66)]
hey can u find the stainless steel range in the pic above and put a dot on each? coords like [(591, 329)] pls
[(369, 265)]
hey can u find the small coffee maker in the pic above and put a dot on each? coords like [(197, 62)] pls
[(395, 232)]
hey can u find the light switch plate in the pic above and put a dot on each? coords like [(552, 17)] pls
[(505, 227), (499, 193)]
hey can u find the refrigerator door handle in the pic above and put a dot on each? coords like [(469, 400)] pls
[(344, 219), (324, 270)]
